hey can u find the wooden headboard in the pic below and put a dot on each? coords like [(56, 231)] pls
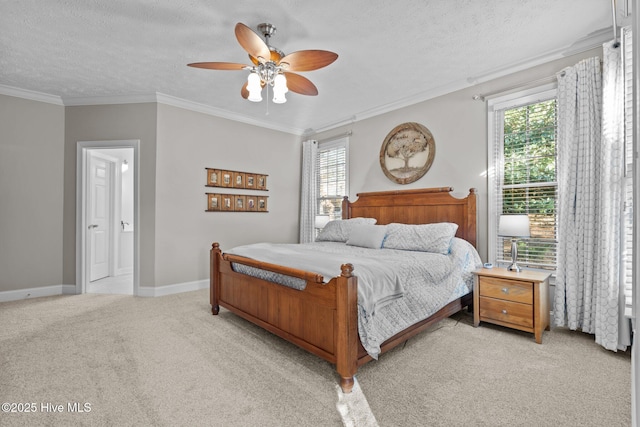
[(419, 206)]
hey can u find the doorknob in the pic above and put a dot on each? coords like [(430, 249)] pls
[(93, 226)]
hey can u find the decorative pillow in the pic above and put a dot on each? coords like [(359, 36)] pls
[(367, 236), (421, 237), (339, 230)]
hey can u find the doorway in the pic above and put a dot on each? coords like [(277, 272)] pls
[(107, 232)]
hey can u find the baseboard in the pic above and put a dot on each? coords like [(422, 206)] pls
[(44, 291), (143, 291), (147, 291)]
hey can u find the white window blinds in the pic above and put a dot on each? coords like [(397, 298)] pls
[(524, 177), (332, 173), (627, 61)]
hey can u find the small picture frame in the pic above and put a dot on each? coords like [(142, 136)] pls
[(261, 182), (227, 202), (213, 177), (213, 203), (262, 204), (252, 203), (227, 179), (240, 203), (250, 180), (238, 180)]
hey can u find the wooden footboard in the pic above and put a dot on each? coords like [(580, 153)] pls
[(321, 319)]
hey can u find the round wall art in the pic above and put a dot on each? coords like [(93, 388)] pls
[(407, 153)]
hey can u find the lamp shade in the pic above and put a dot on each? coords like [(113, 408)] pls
[(514, 226), (322, 220)]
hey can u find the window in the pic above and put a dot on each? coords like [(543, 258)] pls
[(522, 178), (333, 176)]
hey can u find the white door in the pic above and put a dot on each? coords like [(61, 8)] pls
[(99, 223)]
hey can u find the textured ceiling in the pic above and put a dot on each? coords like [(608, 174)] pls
[(391, 52)]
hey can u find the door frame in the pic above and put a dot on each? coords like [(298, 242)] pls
[(82, 163)]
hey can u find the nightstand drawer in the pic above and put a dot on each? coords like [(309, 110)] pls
[(509, 290), (506, 311)]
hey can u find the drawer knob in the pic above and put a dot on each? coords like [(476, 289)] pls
[(504, 311), (505, 290)]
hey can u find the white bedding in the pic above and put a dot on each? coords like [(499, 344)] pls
[(424, 281)]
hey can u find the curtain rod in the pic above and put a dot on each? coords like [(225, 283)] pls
[(543, 80), (338, 136), (616, 43)]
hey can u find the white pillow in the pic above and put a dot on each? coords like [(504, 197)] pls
[(367, 236), (421, 237), (339, 230)]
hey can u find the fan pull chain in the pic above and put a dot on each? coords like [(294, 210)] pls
[(267, 113)]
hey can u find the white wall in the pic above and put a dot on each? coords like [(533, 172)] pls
[(113, 122), (175, 147), (31, 193), (188, 142)]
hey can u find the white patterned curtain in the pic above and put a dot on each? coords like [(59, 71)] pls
[(612, 188), (308, 196), (590, 201)]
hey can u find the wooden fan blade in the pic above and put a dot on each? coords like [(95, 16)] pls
[(308, 60), (218, 65), (298, 84), (252, 43)]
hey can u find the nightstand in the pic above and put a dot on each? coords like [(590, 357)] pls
[(511, 299)]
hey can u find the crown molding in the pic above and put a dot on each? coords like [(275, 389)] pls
[(162, 98), (592, 41), (218, 112), (30, 94), (75, 101)]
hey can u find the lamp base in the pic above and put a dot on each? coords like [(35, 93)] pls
[(514, 256), (515, 267)]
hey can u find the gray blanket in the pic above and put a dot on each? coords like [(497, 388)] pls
[(378, 284)]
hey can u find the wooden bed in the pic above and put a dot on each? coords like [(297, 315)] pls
[(322, 318)]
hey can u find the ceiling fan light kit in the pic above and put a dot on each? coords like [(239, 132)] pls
[(254, 88), (271, 67)]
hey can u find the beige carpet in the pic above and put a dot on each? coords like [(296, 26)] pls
[(459, 375), (168, 362)]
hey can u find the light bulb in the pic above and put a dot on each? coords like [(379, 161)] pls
[(279, 89), (254, 88)]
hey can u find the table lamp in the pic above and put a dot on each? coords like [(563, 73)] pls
[(514, 226)]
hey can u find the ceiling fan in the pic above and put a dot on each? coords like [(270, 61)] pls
[(271, 67)]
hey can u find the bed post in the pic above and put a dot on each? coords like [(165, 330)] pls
[(346, 209), (347, 327), (471, 232), (214, 277)]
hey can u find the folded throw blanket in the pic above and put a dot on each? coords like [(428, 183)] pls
[(378, 284)]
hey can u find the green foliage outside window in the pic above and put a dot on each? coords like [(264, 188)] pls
[(529, 178)]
